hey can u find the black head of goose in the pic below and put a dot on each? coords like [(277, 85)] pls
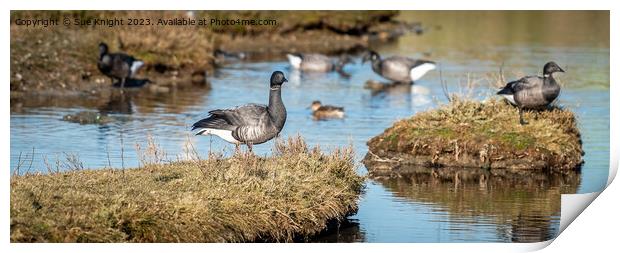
[(533, 92), (251, 123), (322, 112), (398, 68), (118, 66), (318, 63)]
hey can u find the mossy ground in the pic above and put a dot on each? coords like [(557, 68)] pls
[(467, 133), (289, 196)]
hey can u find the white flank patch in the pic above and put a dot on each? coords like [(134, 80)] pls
[(510, 99), (295, 61), (339, 114), (419, 71), (135, 66), (224, 134)]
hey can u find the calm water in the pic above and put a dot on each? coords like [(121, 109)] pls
[(412, 207)]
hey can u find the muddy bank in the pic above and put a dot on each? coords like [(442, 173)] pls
[(480, 135), (290, 196), (61, 60)]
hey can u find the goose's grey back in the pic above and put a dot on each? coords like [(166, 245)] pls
[(528, 92), (316, 62), (252, 121), (397, 68)]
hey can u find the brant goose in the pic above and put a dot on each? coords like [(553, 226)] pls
[(397, 68), (251, 123), (221, 57), (117, 65), (322, 112), (532, 92), (319, 63)]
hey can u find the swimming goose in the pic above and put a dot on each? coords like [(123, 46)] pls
[(117, 65), (397, 68), (319, 63), (532, 92), (222, 56), (251, 123), (321, 112)]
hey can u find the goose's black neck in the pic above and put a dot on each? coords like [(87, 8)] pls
[(550, 88), (276, 108)]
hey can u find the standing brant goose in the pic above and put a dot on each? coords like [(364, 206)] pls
[(118, 66), (532, 92), (322, 112), (251, 123), (319, 63), (397, 68)]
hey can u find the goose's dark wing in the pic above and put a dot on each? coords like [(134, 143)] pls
[(524, 83), (123, 58), (245, 115), (316, 58)]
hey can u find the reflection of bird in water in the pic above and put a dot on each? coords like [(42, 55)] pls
[(397, 68), (118, 66), (134, 83), (118, 103), (319, 63), (324, 112), (533, 92), (251, 123), (419, 95)]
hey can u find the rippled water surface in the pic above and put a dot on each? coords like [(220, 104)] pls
[(417, 206)]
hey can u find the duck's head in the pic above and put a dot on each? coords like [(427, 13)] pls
[(103, 48), (315, 105), (277, 79), (551, 67), (370, 56)]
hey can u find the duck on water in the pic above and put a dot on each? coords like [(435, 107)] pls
[(398, 68), (251, 123), (532, 92), (324, 112), (118, 66)]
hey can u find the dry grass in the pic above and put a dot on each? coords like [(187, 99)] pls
[(60, 59), (467, 133), (289, 196)]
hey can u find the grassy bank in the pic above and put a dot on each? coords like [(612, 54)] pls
[(289, 196), (62, 59), (487, 134)]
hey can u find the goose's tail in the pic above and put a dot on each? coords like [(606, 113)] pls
[(135, 66), (294, 60)]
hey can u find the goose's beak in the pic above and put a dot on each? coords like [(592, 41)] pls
[(562, 70), (285, 80)]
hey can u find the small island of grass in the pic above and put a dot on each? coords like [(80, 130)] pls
[(477, 134)]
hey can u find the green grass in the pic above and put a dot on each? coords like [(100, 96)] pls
[(288, 196), (488, 133)]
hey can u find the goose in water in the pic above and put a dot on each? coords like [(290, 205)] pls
[(533, 92), (397, 68), (118, 66), (319, 63), (322, 112), (251, 123), (221, 57)]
